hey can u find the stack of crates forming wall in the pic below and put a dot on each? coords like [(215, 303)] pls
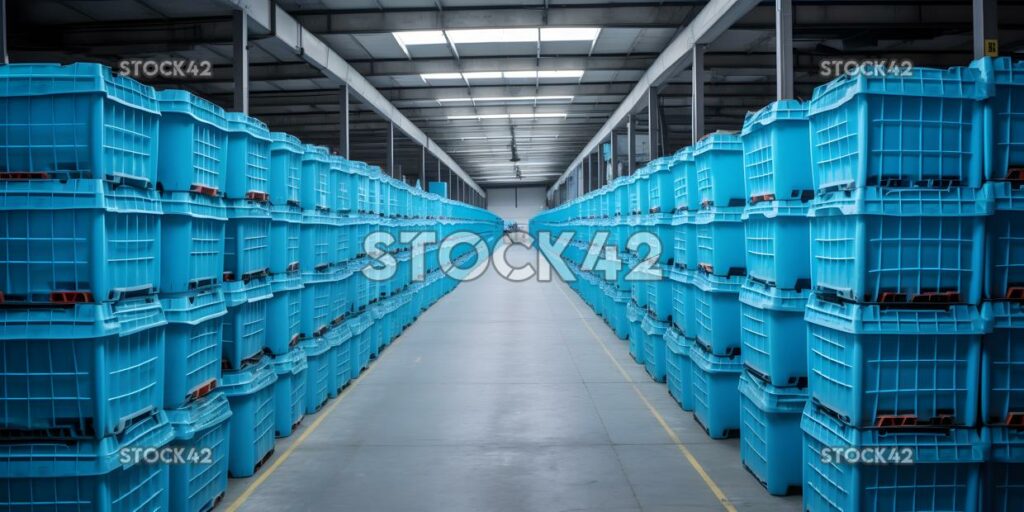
[(844, 274), (203, 299), (773, 390)]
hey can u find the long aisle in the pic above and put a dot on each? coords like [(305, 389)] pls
[(504, 397)]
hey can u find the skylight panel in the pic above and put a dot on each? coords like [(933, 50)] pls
[(569, 34)]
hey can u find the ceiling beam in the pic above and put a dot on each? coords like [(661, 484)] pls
[(292, 34), (713, 19)]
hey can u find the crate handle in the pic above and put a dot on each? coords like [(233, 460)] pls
[(761, 198), (132, 292), (292, 267), (202, 389), (132, 181), (295, 340), (896, 421), (1015, 293), (257, 196), (293, 203), (24, 175), (200, 283), (204, 190), (69, 297)]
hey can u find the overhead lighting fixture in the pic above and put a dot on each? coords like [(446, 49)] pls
[(505, 99), (551, 73), (569, 34), (499, 35), (493, 35), (441, 76), (482, 75), (419, 37), (507, 116), (520, 164)]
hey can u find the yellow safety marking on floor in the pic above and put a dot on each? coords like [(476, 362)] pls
[(324, 413), (715, 489)]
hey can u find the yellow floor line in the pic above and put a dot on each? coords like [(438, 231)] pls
[(715, 489), (324, 413)]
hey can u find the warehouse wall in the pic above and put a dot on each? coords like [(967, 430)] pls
[(518, 204)]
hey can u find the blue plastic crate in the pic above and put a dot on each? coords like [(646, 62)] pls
[(918, 124), (285, 241), (773, 334), (201, 433), (247, 241), (777, 238), (359, 351), (77, 121), (82, 236), (192, 350), (720, 241), (250, 392), (944, 475), (716, 308), (1002, 363), (661, 186), (188, 121), (248, 158), (635, 315), (684, 181), (289, 391), (716, 397), (89, 474), (769, 429), (867, 363), (1004, 471), (654, 347), (245, 326), (342, 185), (50, 384), (776, 152), (340, 359), (684, 242), (191, 242), (718, 158), (318, 242), (1004, 276), (659, 296), (678, 369), (284, 313), (345, 241), (1004, 116), (285, 175), (316, 178), (684, 312), (896, 245), (318, 374)]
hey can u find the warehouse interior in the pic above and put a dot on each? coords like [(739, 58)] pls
[(506, 395)]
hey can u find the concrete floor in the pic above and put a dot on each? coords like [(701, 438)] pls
[(504, 397)]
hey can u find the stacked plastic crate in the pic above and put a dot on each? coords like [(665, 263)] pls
[(637, 189), (192, 266), (80, 221), (1002, 372), (679, 339), (659, 241), (284, 309), (893, 326), (776, 163), (339, 338), (721, 267)]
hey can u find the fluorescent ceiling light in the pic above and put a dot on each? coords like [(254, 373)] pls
[(418, 37), (551, 73), (506, 99), (507, 116), (520, 164), (482, 75), (441, 76), (496, 35), (569, 34), (493, 35)]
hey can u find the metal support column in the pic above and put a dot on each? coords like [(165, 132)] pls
[(423, 168), (240, 66), (784, 49), (3, 32), (615, 156), (654, 125), (389, 145), (601, 171), (697, 103), (343, 110), (986, 29), (630, 144)]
